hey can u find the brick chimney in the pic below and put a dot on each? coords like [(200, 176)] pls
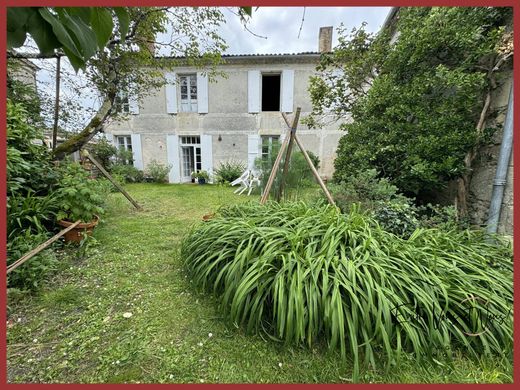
[(325, 39)]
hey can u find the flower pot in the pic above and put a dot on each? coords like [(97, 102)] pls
[(193, 180), (202, 180), (76, 234)]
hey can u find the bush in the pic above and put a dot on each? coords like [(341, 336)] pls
[(104, 152), (128, 173), (302, 274), (229, 171), (158, 172), (79, 197)]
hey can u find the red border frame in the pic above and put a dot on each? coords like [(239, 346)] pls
[(3, 70)]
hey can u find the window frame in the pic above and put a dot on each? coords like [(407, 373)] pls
[(189, 104)]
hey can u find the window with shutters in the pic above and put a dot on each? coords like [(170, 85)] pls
[(188, 92), (121, 102), (271, 92), (124, 146)]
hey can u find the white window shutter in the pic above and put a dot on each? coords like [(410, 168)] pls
[(202, 93), (253, 149), (253, 91), (287, 90), (137, 151), (172, 146), (206, 146), (133, 104), (110, 138), (171, 93)]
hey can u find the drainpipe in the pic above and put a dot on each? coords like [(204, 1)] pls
[(501, 174)]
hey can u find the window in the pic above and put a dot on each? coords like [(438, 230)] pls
[(121, 103), (188, 85), (191, 156), (268, 142), (271, 92), (124, 146)]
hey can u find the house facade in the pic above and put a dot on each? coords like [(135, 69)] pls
[(192, 124)]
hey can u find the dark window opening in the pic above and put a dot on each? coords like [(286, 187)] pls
[(271, 92)]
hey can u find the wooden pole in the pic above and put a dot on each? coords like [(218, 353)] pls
[(274, 169), (111, 179), (40, 247), (287, 160), (56, 103), (314, 171)]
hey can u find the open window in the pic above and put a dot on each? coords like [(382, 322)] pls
[(271, 91)]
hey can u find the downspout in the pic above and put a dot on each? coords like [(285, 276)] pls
[(502, 165)]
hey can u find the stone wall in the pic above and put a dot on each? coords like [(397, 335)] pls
[(486, 163)]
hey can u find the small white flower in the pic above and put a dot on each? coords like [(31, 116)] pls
[(35, 340), (117, 361), (280, 365), (127, 314), (202, 381), (19, 320), (171, 376), (29, 360), (210, 334), (200, 344)]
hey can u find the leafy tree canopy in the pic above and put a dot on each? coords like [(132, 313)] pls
[(410, 107)]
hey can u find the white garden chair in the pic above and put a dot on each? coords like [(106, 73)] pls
[(247, 181)]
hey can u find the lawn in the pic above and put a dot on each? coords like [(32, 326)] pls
[(122, 310)]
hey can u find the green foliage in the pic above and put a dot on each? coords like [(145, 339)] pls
[(22, 93), (78, 31), (127, 173), (79, 196), (104, 151), (298, 178), (229, 171), (414, 104), (394, 212), (302, 274), (202, 176), (158, 172)]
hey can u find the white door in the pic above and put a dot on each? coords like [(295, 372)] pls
[(191, 158)]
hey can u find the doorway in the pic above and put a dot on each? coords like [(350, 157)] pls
[(190, 156)]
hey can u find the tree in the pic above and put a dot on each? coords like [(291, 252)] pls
[(120, 59), (413, 109)]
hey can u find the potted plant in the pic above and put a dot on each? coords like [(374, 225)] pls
[(79, 198), (193, 176), (202, 177)]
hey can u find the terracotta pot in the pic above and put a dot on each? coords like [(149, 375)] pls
[(76, 234)]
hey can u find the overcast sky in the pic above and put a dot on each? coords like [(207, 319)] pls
[(279, 25)]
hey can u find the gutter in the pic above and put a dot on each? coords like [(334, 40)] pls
[(500, 181)]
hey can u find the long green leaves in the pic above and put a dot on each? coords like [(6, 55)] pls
[(304, 273)]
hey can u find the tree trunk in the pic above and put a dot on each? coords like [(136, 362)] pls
[(79, 140)]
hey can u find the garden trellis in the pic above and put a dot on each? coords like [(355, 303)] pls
[(288, 143)]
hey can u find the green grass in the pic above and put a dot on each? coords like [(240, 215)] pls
[(74, 330)]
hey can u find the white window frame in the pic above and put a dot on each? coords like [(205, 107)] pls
[(122, 102), (126, 145), (187, 102), (267, 140), (191, 141)]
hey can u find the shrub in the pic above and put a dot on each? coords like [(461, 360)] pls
[(79, 197), (104, 152), (158, 172), (302, 274), (128, 173), (229, 171)]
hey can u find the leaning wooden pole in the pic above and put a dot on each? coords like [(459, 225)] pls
[(40, 247), (287, 160), (274, 170), (314, 171), (86, 154)]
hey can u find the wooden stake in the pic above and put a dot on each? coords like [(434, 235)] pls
[(111, 179), (40, 247), (274, 169), (314, 171), (288, 154)]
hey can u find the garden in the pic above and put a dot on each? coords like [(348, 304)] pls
[(362, 279)]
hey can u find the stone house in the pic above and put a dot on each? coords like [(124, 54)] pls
[(192, 124)]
